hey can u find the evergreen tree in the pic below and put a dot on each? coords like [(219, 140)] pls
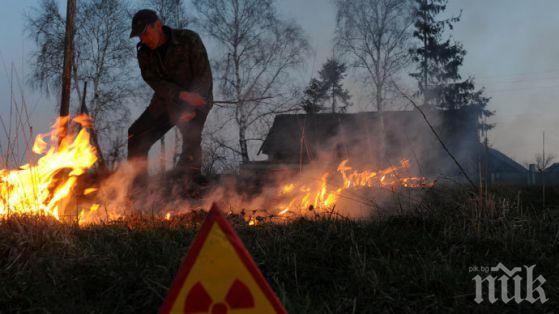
[(438, 62), (331, 76), (314, 95), (327, 88)]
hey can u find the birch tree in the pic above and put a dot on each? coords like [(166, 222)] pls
[(374, 35), (171, 12), (103, 56), (259, 50)]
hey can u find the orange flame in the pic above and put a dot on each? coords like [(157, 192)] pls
[(46, 187), (322, 195)]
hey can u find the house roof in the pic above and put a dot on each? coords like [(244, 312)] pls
[(289, 130), (499, 162), (553, 168)]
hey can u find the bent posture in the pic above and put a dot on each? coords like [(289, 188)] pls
[(174, 63)]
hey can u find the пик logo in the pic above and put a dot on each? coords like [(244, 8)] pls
[(533, 286)]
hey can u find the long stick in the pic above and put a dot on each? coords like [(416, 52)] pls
[(438, 138)]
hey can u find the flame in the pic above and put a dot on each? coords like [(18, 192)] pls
[(83, 120), (323, 194), (89, 191), (47, 186), (252, 221), (40, 146), (94, 207)]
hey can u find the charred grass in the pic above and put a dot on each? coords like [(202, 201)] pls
[(412, 261)]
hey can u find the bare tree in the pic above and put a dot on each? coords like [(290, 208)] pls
[(102, 57), (259, 51), (116, 151), (214, 158), (171, 12), (543, 161), (375, 35)]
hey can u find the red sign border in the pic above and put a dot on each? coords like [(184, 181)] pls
[(215, 215)]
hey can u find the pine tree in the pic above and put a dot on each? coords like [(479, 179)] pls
[(313, 97), (328, 88), (331, 76), (438, 62)]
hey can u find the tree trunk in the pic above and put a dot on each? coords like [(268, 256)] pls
[(243, 143), (382, 134), (333, 100), (68, 58), (240, 110)]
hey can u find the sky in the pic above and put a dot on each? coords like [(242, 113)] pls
[(512, 50)]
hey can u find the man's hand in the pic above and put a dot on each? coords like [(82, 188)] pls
[(192, 99)]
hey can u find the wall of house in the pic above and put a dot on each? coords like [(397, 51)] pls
[(307, 138)]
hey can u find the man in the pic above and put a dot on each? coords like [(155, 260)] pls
[(174, 63)]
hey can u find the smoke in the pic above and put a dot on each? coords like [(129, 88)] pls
[(347, 173)]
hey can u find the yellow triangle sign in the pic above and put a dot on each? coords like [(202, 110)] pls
[(219, 276)]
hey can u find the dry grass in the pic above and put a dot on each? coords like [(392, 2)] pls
[(410, 262)]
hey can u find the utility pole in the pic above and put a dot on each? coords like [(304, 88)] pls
[(68, 59)]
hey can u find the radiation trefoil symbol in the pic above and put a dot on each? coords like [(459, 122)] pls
[(219, 276), (199, 301)]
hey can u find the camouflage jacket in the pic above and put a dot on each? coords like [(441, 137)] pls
[(183, 67)]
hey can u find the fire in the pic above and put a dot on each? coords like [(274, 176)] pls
[(46, 186), (323, 194), (89, 191)]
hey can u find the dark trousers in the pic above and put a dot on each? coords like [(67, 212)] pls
[(159, 118)]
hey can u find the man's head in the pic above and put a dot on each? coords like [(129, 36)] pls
[(147, 25)]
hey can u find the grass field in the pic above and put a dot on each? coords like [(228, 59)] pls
[(416, 261)]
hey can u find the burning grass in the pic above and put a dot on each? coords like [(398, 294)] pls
[(407, 248), (409, 262), (45, 187), (54, 185)]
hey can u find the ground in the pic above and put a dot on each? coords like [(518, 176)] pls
[(416, 261)]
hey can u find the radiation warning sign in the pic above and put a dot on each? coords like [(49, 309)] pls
[(219, 276)]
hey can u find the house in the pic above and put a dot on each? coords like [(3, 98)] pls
[(297, 139), (502, 169), (550, 175)]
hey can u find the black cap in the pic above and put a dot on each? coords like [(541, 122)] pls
[(141, 20)]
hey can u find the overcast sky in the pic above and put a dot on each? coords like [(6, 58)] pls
[(512, 45)]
